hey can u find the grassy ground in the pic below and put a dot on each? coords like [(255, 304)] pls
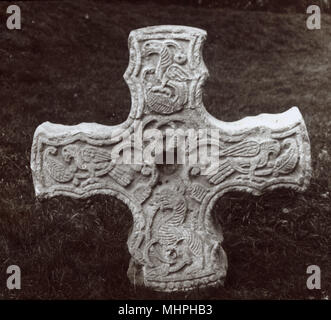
[(66, 65)]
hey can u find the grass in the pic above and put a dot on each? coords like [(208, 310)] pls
[(66, 66)]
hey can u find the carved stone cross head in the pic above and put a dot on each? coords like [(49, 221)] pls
[(174, 242)]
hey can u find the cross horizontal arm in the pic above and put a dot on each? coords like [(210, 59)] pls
[(262, 153)]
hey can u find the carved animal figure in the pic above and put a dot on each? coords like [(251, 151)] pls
[(57, 170), (171, 232), (97, 162), (168, 92), (244, 157)]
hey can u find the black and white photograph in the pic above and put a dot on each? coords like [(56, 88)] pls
[(165, 151)]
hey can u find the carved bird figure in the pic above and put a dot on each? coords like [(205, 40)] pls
[(244, 157), (97, 162)]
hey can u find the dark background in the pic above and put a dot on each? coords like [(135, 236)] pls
[(283, 6), (66, 66)]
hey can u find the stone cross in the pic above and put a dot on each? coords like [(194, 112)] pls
[(174, 242)]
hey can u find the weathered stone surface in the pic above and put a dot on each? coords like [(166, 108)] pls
[(174, 243)]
